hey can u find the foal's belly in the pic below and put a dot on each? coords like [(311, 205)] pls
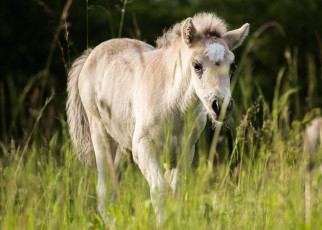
[(118, 126)]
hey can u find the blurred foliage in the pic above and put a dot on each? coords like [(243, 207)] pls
[(36, 44)]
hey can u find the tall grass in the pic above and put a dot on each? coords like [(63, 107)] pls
[(47, 188)]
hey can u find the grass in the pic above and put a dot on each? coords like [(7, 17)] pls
[(44, 186), (50, 189)]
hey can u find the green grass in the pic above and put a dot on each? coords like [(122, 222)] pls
[(42, 191)]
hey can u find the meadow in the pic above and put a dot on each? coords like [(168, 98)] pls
[(265, 181)]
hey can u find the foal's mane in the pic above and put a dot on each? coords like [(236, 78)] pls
[(206, 24)]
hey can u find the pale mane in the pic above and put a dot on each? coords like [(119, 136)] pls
[(206, 24)]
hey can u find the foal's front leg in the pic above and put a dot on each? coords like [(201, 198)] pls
[(145, 156), (172, 175)]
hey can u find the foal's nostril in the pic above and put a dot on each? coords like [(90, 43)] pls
[(216, 107)]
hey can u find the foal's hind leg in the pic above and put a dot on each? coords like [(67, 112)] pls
[(102, 147)]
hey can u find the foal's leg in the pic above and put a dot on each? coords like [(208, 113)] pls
[(120, 151), (145, 156), (172, 175), (190, 157), (102, 147), (171, 171)]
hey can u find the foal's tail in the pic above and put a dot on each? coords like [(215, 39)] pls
[(76, 115)]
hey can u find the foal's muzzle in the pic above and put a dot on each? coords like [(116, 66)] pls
[(226, 105)]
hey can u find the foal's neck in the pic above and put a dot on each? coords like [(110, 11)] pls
[(179, 87)]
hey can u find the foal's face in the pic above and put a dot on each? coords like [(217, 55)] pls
[(211, 65)]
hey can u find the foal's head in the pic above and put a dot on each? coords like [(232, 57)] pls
[(212, 61)]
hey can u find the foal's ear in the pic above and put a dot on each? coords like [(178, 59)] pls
[(188, 31), (235, 38)]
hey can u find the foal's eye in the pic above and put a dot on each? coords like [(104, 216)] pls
[(233, 67), (197, 67)]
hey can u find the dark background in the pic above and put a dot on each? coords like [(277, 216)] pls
[(39, 43)]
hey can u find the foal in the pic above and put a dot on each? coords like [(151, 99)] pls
[(126, 91)]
